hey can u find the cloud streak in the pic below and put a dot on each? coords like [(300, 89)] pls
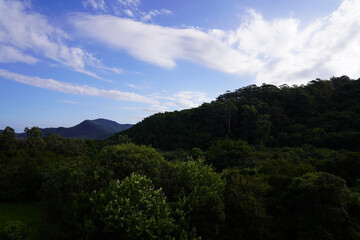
[(146, 17), (273, 51), (11, 54), (190, 99), (124, 8), (24, 34), (163, 46), (64, 87), (178, 101), (96, 4), (73, 102)]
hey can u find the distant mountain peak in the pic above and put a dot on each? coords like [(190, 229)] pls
[(98, 129)]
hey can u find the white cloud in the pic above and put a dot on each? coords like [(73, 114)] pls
[(64, 87), (162, 46), (23, 32), (96, 4), (190, 99), (129, 13), (132, 85), (73, 102), (180, 100), (291, 54), (274, 51), (10, 54), (153, 13), (164, 11), (125, 8), (150, 110), (129, 3), (68, 101)]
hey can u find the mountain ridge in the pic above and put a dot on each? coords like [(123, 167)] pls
[(98, 129)]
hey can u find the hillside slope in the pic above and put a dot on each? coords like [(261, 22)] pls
[(323, 113)]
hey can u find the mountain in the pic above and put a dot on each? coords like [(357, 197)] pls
[(111, 126), (323, 113), (89, 129)]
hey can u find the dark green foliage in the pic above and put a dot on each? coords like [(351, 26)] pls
[(353, 207), (133, 209), (68, 147), (192, 130), (229, 153), (20, 176), (122, 160), (280, 195), (8, 140), (318, 201), (283, 167), (34, 138), (245, 206), (66, 190), (28, 213), (259, 163), (200, 191), (324, 113), (195, 192), (14, 230)]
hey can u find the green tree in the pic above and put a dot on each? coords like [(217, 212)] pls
[(34, 138), (245, 208), (14, 230), (353, 208), (318, 210), (66, 188), (196, 192), (226, 107), (228, 153), (8, 140), (122, 160), (134, 209)]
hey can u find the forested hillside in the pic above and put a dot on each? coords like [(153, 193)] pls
[(323, 113), (263, 163)]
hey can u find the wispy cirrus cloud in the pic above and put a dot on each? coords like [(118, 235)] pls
[(130, 3), (157, 102), (26, 36), (96, 4), (124, 8), (139, 109), (73, 102), (11, 54), (133, 86), (146, 17), (64, 87)]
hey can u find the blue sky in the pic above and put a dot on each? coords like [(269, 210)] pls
[(62, 62)]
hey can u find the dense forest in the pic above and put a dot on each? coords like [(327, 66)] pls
[(321, 113), (257, 163)]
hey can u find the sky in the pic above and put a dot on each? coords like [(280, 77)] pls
[(62, 62)]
